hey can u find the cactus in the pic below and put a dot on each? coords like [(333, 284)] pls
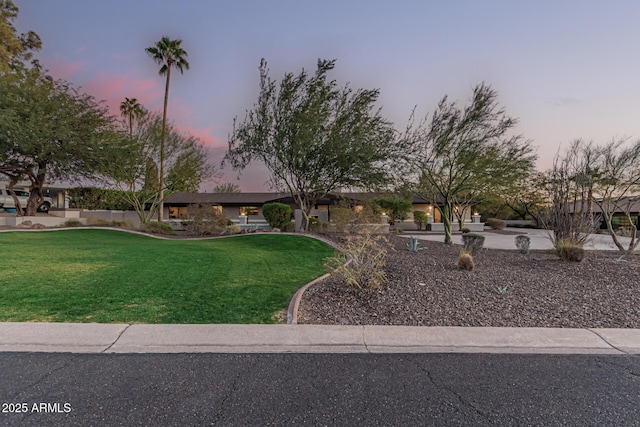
[(523, 243), (472, 242)]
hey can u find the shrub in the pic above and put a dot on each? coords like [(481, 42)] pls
[(230, 229), (362, 261), (205, 220), (495, 223), (420, 219), (316, 225), (341, 217), (289, 228), (472, 242), (103, 222), (570, 251), (156, 227), (368, 214), (97, 221), (465, 230), (465, 261), (278, 215), (73, 223), (124, 223), (523, 243)]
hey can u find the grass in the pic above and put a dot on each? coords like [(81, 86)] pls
[(110, 276)]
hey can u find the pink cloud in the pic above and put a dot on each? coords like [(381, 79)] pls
[(113, 89), (61, 69), (203, 134)]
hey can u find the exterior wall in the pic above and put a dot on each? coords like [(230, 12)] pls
[(231, 212)]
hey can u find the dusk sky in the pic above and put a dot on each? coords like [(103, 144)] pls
[(566, 69)]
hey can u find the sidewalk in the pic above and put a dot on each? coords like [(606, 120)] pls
[(123, 338)]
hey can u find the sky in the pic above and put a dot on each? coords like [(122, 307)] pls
[(566, 69)]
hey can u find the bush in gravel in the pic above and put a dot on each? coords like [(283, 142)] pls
[(523, 243), (465, 261), (570, 251), (278, 215), (362, 261), (73, 223), (495, 223), (472, 242)]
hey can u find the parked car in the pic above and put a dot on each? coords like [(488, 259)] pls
[(7, 202)]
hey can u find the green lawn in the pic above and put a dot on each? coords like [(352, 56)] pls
[(110, 276)]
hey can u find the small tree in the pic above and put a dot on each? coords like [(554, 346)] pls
[(129, 164), (313, 136), (278, 215), (462, 153), (570, 185)]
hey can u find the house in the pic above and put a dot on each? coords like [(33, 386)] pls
[(231, 205), (626, 212), (246, 208)]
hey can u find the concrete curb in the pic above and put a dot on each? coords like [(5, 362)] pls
[(123, 338), (294, 304)]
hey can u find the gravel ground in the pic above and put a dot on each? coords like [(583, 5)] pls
[(506, 288)]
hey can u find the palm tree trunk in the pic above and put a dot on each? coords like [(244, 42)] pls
[(162, 137)]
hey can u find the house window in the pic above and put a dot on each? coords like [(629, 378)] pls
[(177, 212), (249, 210)]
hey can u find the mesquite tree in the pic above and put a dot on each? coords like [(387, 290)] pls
[(314, 136), (463, 153)]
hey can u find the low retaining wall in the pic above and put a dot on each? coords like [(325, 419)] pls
[(472, 226), (47, 221)]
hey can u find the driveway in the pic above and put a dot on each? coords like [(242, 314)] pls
[(540, 239)]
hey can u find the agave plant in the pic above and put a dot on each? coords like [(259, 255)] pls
[(414, 244)]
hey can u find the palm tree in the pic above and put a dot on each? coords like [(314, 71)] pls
[(130, 108), (169, 54)]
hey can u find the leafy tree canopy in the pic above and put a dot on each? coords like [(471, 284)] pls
[(464, 152), (48, 130), (129, 163), (314, 136), (15, 48)]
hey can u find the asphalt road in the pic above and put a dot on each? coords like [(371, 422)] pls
[(318, 389)]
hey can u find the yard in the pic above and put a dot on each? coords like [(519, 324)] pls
[(109, 276), (506, 289)]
